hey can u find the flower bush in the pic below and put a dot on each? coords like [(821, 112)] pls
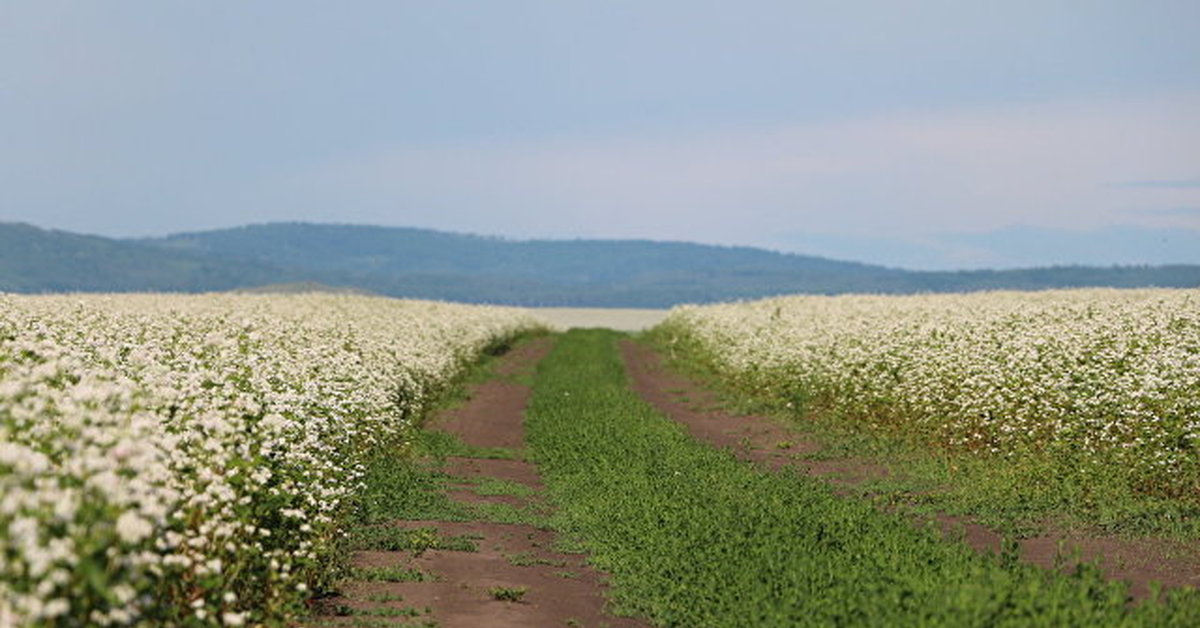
[(190, 460), (1109, 377)]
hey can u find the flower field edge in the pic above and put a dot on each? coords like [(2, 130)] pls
[(191, 460), (1093, 379)]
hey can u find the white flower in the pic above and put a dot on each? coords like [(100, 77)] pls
[(55, 608), (131, 528), (170, 388), (124, 593)]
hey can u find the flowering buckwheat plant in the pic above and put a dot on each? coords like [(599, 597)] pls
[(1104, 376), (189, 460)]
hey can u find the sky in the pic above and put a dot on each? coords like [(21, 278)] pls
[(932, 134)]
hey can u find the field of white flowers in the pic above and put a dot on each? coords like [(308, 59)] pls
[(188, 460), (1102, 377)]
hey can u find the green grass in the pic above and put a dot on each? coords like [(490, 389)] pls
[(345, 610), (508, 594), (496, 487), (389, 574), (693, 537), (538, 517), (1017, 496), (401, 486), (442, 445), (410, 485)]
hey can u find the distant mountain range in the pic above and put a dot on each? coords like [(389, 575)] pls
[(1012, 247), (420, 263)]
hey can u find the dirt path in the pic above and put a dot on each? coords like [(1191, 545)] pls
[(768, 442), (515, 578)]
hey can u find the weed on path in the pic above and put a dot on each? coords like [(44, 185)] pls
[(910, 479), (695, 537), (456, 532)]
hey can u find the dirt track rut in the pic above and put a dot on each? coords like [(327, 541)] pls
[(767, 442), (544, 587)]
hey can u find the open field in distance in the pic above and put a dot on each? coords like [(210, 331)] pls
[(620, 319)]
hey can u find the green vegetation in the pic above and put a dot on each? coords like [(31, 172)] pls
[(36, 260), (1015, 499), (399, 486), (419, 263), (441, 445), (693, 537), (346, 610), (497, 487), (508, 594), (614, 273), (1065, 410), (380, 598), (411, 485)]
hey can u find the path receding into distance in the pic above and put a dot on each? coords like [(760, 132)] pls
[(515, 578), (518, 576)]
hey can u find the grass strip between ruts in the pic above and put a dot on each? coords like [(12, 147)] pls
[(693, 537)]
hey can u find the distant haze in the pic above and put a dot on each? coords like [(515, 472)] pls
[(1015, 247), (419, 263), (621, 319), (907, 133)]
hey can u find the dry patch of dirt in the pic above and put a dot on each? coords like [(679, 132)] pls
[(551, 588)]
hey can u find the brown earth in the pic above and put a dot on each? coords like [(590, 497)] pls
[(545, 587), (773, 445)]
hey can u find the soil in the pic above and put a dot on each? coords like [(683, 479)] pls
[(544, 586), (771, 444)]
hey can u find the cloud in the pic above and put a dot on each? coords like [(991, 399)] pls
[(1015, 247), (1171, 211), (960, 170), (705, 123), (1160, 184)]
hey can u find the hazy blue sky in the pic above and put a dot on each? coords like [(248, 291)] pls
[(900, 132)]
